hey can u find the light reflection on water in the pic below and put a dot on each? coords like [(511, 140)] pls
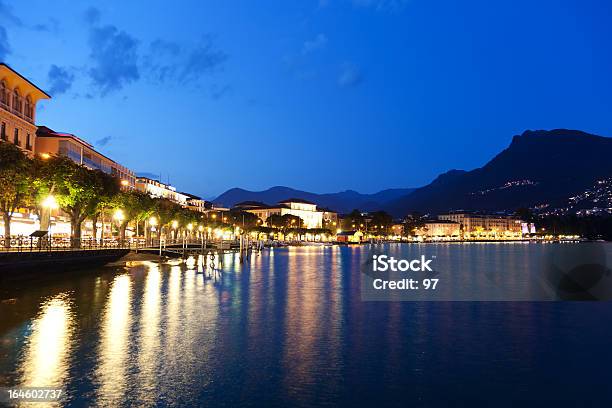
[(288, 327), (115, 339), (49, 344)]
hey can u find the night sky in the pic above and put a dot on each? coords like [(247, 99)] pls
[(316, 95)]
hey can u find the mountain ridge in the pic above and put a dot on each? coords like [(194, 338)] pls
[(538, 167), (342, 202)]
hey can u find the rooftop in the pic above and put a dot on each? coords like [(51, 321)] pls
[(42, 94), (251, 204), (296, 200), (440, 222)]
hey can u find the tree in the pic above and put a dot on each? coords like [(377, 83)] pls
[(166, 212), (15, 172), (109, 188), (243, 219), (78, 190), (186, 217), (130, 206), (353, 220), (525, 214), (275, 221), (381, 221)]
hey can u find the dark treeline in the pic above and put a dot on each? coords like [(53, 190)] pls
[(591, 227)]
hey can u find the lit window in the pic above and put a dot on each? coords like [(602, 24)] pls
[(29, 108), (16, 101), (3, 94)]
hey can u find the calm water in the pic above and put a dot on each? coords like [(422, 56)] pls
[(289, 328)]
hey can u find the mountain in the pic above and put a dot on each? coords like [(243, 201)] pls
[(342, 202), (539, 167)]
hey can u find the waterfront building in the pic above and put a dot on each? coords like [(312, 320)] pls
[(397, 230), (440, 230), (50, 142), (353, 237), (485, 226), (330, 218), (157, 189), (18, 100), (196, 203), (306, 210)]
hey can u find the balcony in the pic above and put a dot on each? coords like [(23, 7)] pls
[(15, 112)]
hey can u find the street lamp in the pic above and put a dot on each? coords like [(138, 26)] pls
[(174, 227), (119, 216), (153, 224), (48, 204)]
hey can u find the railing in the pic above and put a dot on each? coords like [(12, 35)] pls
[(16, 112), (46, 244), (53, 244)]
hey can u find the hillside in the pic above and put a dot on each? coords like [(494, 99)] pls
[(342, 202), (539, 167)]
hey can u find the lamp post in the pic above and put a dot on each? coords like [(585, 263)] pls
[(174, 227), (153, 224), (48, 204), (119, 216), (201, 230), (190, 228)]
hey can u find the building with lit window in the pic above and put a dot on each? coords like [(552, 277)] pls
[(440, 230), (157, 189), (50, 142), (306, 210), (485, 226), (196, 203), (18, 99), (330, 218)]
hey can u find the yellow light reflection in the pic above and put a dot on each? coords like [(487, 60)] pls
[(49, 345), (113, 353), (148, 357)]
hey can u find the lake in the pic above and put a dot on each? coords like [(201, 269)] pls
[(289, 328)]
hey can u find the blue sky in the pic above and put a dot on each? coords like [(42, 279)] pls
[(316, 95)]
